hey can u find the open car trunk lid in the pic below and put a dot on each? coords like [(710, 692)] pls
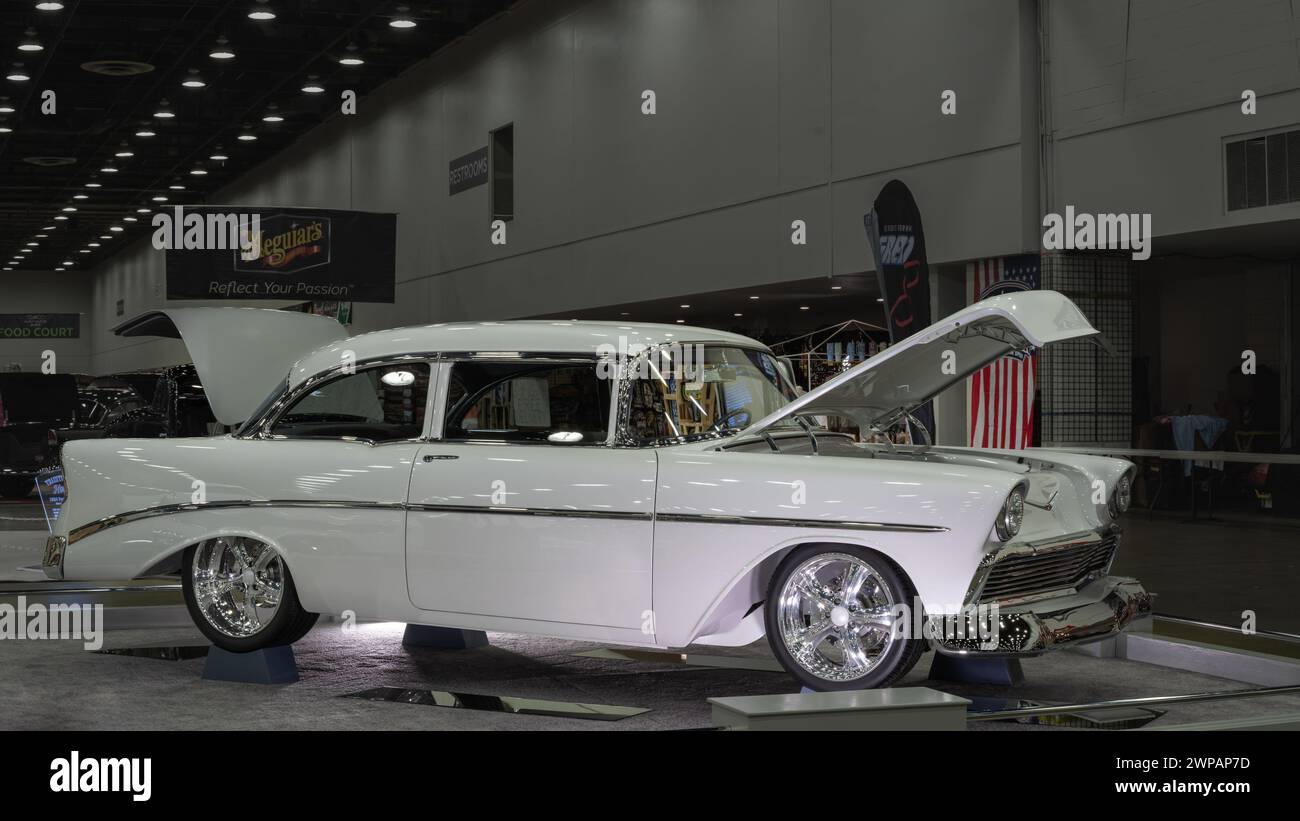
[(911, 372), (241, 354)]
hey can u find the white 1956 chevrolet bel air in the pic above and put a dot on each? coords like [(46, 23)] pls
[(617, 482)]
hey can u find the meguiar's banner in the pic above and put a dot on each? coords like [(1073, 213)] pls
[(218, 252)]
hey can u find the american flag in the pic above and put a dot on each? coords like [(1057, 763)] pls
[(1002, 394)]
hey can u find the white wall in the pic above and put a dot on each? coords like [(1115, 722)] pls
[(768, 111)]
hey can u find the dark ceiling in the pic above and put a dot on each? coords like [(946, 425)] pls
[(113, 64)]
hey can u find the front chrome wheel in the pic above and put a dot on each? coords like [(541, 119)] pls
[(835, 613), (238, 585)]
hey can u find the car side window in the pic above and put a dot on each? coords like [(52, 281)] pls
[(380, 404), (527, 402)]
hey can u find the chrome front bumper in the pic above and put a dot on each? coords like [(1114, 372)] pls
[(1097, 610), (52, 561)]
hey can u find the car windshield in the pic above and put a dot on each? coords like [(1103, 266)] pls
[(686, 392)]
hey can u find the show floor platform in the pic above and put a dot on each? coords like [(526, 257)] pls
[(48, 685)]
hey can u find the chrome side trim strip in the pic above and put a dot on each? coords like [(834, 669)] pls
[(766, 521), (91, 528), (633, 515)]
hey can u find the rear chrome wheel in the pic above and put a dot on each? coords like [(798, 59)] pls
[(241, 595), (831, 615)]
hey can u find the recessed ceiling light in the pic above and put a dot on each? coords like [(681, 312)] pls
[(836, 287), (69, 208), (83, 251), (737, 314), (4, 129), (803, 307), (681, 322), (142, 210), (124, 154), (312, 86), (145, 133), (68, 262), (31, 43), (116, 228), (49, 228), (7, 268), (177, 187), (129, 219), (753, 297), (42, 236), (352, 57), (93, 185), (193, 80), (163, 112), (108, 169), (92, 244), (105, 236), (6, 109), (159, 198), (80, 197), (402, 20), (32, 244), (17, 75), (272, 118), (880, 299), (261, 12), (61, 217), (218, 158), (49, 6), (685, 306), (248, 138), (198, 172), (222, 50)]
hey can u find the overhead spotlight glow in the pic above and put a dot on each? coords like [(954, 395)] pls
[(272, 118), (69, 208), (248, 138), (4, 129), (80, 197), (61, 217), (83, 251), (31, 43), (222, 50), (164, 114), (193, 80), (198, 172), (352, 57), (108, 169), (32, 244), (124, 154), (142, 210), (93, 185), (144, 133), (261, 11), (17, 76), (6, 109), (105, 236), (129, 219), (49, 228), (218, 158), (49, 6), (116, 228), (159, 198), (68, 262), (92, 244), (401, 20), (42, 236), (312, 86), (177, 187), (58, 269)]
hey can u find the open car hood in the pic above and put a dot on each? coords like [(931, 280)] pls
[(240, 354), (909, 373)]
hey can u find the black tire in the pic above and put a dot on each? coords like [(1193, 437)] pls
[(290, 623), (898, 659), (16, 488)]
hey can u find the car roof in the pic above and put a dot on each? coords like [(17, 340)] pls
[(523, 336)]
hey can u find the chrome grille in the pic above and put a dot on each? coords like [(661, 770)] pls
[(1027, 571)]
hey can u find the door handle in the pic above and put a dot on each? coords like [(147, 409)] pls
[(429, 457)]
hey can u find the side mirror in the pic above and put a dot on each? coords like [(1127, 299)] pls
[(564, 437)]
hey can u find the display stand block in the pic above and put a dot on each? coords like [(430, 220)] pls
[(270, 665), (443, 638), (976, 670)]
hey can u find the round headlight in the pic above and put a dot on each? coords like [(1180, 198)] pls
[(1012, 515), (1124, 494)]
